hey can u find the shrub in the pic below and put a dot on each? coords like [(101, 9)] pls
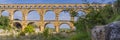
[(29, 29), (46, 33)]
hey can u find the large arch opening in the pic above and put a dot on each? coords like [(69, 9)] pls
[(49, 15), (17, 15), (80, 14), (33, 15), (5, 13), (64, 15), (17, 25), (51, 27), (64, 28)]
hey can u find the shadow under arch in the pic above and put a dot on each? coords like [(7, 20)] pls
[(33, 10), (17, 25), (33, 24)]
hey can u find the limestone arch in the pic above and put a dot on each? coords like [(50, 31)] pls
[(49, 23), (66, 28), (35, 26), (64, 15), (33, 10), (49, 15), (50, 26), (33, 15), (81, 13), (5, 13), (18, 13), (64, 23), (17, 10)]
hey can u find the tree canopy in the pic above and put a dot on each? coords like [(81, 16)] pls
[(4, 22)]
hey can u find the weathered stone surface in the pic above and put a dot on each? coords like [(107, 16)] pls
[(98, 33), (112, 31), (108, 32)]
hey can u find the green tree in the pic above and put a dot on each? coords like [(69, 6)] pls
[(46, 33), (80, 36), (101, 16), (73, 14), (4, 22), (116, 4), (95, 17), (116, 8)]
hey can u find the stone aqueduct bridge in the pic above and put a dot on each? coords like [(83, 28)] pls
[(42, 9)]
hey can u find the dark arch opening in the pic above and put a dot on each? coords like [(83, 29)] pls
[(17, 25), (33, 24)]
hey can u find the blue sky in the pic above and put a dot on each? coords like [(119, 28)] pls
[(50, 14), (49, 1)]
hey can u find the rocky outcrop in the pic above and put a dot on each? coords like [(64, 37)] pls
[(107, 32), (112, 31), (98, 33)]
